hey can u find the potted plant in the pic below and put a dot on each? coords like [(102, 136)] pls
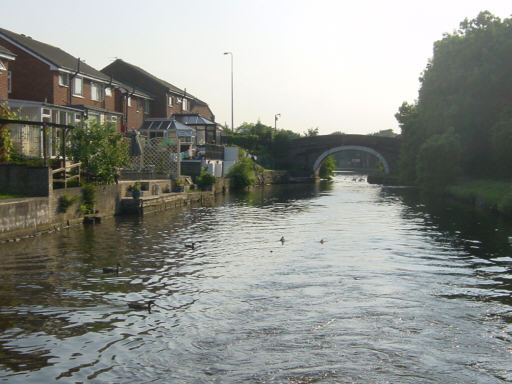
[(178, 185), (135, 190)]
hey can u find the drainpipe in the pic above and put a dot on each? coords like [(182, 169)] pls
[(129, 94), (71, 82)]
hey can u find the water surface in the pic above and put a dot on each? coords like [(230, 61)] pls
[(400, 291)]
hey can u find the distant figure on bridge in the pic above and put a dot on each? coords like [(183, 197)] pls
[(282, 240)]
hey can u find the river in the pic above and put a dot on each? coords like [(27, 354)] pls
[(400, 291)]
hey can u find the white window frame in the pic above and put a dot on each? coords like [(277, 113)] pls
[(95, 92), (108, 91), (81, 81), (2, 66), (169, 100), (9, 81), (64, 79), (184, 104), (129, 102)]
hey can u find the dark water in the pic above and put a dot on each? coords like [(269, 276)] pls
[(400, 292)]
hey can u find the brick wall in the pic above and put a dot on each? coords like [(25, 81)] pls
[(135, 113), (3, 80), (31, 78), (203, 110)]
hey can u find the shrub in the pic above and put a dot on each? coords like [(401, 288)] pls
[(66, 201), (205, 180), (88, 199), (438, 161), (242, 173)]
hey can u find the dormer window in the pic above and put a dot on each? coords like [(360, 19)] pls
[(78, 85), (64, 79)]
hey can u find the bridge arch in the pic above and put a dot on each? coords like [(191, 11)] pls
[(330, 151)]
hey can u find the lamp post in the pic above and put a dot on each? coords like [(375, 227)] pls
[(232, 119), (276, 117)]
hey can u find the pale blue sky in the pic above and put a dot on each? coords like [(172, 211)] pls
[(337, 65)]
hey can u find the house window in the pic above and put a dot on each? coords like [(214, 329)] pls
[(9, 81), (147, 107), (129, 101), (185, 104), (78, 83), (64, 79), (2, 66), (95, 92), (170, 101), (78, 117), (108, 91)]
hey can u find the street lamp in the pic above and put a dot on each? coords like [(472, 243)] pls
[(232, 120), (276, 117)]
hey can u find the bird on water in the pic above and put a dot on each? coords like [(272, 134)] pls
[(191, 245), (141, 306), (112, 270)]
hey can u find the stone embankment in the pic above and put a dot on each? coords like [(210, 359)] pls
[(33, 216)]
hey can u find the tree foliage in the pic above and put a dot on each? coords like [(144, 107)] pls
[(100, 149), (327, 168), (466, 89), (438, 160), (312, 132), (269, 145)]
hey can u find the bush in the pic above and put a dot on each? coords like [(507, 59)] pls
[(100, 149), (205, 180), (65, 201), (438, 161), (242, 173), (88, 199)]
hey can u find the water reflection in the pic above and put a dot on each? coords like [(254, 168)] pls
[(403, 290)]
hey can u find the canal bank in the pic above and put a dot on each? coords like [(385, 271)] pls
[(33, 216)]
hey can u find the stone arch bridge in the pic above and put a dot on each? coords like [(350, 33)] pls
[(306, 154)]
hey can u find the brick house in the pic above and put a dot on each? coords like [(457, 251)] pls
[(168, 99), (46, 74), (133, 103), (5, 75)]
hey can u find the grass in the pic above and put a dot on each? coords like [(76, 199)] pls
[(5, 197), (490, 194)]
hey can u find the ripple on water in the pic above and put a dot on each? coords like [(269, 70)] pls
[(394, 295)]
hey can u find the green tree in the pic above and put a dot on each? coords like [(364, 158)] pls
[(466, 85), (439, 161), (100, 149), (327, 168), (501, 142)]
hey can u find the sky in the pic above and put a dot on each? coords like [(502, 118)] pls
[(334, 65)]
